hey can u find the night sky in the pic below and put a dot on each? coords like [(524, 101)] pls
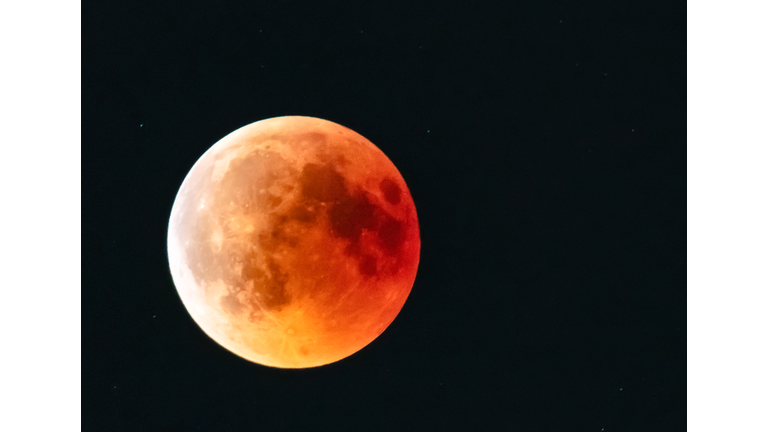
[(544, 144)]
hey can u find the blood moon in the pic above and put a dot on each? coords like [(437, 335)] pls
[(293, 242)]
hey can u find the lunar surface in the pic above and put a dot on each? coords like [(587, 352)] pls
[(293, 242)]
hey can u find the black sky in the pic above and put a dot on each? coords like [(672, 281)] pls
[(543, 143)]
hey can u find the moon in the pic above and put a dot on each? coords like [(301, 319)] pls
[(293, 242)]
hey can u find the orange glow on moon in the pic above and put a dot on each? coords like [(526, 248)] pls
[(293, 242)]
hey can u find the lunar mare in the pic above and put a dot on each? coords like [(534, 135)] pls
[(293, 242)]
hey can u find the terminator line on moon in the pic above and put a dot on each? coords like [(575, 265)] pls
[(293, 242)]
